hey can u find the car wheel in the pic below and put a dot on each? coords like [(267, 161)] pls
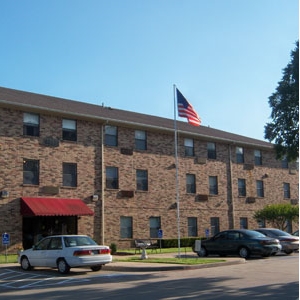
[(202, 252), (96, 268), (288, 252), (244, 252), (62, 266), (25, 264)]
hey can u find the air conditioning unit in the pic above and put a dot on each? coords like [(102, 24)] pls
[(126, 151), (250, 200), (201, 197), (126, 194), (200, 160)]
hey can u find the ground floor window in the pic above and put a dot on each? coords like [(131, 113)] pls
[(192, 226), (125, 227), (214, 225), (243, 223), (155, 225)]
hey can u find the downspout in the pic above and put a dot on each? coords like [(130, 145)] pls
[(231, 212)]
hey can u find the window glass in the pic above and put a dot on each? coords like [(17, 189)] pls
[(214, 225), (190, 183), (140, 140), (69, 130), (111, 135), (243, 223), (142, 180), (30, 171), (70, 174), (213, 185), (286, 189), (188, 147), (260, 188), (257, 157), (211, 151), (125, 227), (31, 124), (112, 179), (239, 154), (192, 226), (155, 225), (242, 187)]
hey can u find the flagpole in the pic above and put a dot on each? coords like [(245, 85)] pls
[(176, 167)]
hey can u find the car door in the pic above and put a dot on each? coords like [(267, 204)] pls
[(39, 253), (218, 244), (54, 251)]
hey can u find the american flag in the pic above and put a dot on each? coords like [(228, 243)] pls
[(186, 110)]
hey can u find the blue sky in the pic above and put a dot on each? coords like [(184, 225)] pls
[(225, 56)]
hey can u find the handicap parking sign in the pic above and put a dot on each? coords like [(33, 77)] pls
[(5, 239)]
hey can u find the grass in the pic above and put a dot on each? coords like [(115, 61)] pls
[(9, 258)]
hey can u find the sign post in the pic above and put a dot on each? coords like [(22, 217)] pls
[(5, 242)]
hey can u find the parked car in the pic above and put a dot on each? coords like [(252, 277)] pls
[(296, 233), (64, 252), (288, 242), (242, 242)]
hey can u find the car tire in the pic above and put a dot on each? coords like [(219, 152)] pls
[(244, 252), (202, 252), (62, 266), (25, 264), (288, 252), (96, 268)]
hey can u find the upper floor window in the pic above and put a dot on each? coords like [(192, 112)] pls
[(239, 152), (286, 190), (111, 135), (31, 124), (142, 180), (242, 187), (190, 183), (140, 140), (70, 174), (31, 171), (112, 178), (69, 130), (257, 158), (188, 147), (125, 227), (213, 185), (284, 163), (211, 151), (260, 188)]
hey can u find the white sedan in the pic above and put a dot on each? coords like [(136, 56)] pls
[(64, 252)]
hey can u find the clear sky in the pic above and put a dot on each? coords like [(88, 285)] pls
[(225, 56)]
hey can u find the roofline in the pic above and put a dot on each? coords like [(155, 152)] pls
[(116, 121)]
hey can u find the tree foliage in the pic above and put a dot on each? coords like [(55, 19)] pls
[(284, 128), (278, 214)]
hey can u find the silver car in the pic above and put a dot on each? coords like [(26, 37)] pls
[(64, 252), (288, 242)]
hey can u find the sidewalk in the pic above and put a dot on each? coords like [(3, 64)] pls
[(144, 266)]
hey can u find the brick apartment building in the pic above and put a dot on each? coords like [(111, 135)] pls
[(73, 167)]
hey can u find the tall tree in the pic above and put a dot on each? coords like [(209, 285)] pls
[(284, 128)]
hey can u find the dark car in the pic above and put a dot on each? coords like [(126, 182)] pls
[(242, 242), (289, 243)]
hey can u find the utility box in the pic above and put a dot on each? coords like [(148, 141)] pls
[(197, 245)]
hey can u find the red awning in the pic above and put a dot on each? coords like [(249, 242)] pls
[(54, 207)]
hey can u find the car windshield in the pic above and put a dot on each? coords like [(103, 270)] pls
[(278, 232), (72, 241), (254, 234)]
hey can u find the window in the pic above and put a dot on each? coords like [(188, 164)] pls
[(69, 130), (188, 147), (155, 225), (242, 187), (142, 180), (70, 174), (190, 184), (286, 190), (112, 178), (125, 227), (211, 151), (111, 135), (215, 225), (31, 124), (213, 185), (260, 188), (239, 151), (284, 163), (140, 140), (31, 171), (257, 158), (243, 223), (192, 226)]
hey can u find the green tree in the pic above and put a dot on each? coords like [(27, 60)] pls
[(284, 128), (278, 214)]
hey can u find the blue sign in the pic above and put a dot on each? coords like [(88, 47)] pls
[(207, 232), (5, 239), (160, 234)]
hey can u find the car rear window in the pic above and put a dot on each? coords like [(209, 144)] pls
[(74, 241)]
